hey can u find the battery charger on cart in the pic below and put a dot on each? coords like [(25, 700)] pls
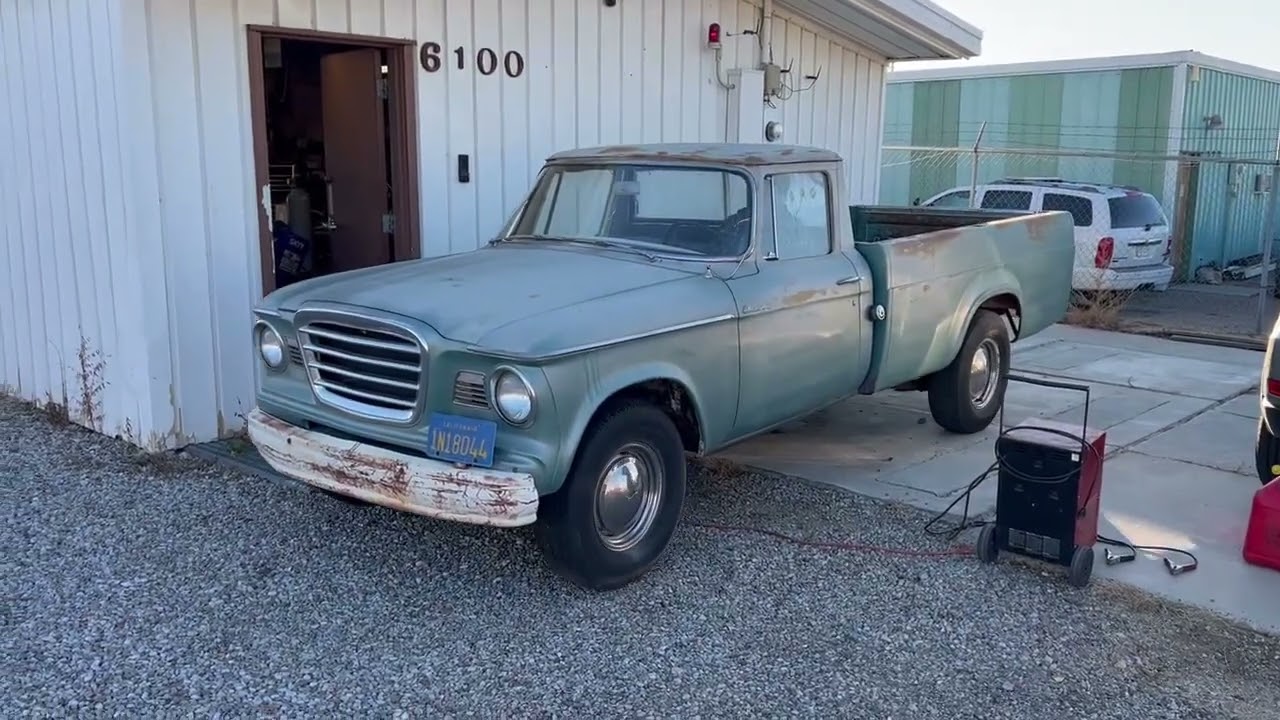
[(1049, 485)]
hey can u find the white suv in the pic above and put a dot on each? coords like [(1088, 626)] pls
[(1122, 234)]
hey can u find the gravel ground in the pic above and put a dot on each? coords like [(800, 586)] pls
[(140, 587)]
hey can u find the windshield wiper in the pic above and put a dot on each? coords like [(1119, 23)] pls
[(595, 242)]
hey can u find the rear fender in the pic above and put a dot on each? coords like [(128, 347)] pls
[(929, 355), (992, 284)]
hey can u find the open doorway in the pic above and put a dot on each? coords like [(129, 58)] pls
[(335, 152)]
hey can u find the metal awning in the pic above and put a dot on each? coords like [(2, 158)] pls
[(897, 29)]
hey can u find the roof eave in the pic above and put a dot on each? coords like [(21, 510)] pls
[(898, 30), (1088, 64)]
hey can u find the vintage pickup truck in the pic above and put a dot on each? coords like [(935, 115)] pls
[(642, 303)]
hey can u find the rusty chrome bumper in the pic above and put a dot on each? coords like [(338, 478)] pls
[(395, 480)]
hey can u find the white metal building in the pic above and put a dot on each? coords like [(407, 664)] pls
[(140, 180)]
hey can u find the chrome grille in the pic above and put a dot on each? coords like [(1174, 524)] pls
[(295, 352), (469, 390), (366, 369)]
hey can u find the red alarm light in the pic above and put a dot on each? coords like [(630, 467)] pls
[(713, 36)]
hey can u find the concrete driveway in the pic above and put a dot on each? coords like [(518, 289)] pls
[(1180, 421)]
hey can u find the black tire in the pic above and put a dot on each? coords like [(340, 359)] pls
[(1081, 567), (950, 400), (986, 547), (1266, 453), (569, 526)]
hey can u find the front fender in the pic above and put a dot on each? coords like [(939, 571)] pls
[(703, 365)]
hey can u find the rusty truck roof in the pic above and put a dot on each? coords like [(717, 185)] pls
[(729, 153)]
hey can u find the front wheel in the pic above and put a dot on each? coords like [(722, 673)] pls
[(965, 396), (619, 507)]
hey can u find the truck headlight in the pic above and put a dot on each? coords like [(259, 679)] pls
[(271, 347), (512, 397)]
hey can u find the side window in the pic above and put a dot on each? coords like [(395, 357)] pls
[(801, 218), (1081, 208), (960, 198), (996, 199)]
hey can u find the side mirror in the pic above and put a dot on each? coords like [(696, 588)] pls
[(915, 202)]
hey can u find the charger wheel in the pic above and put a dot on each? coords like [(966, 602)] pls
[(986, 545), (1081, 567)]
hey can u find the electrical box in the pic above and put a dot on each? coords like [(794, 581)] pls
[(772, 80)]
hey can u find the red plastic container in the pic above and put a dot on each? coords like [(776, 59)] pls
[(1262, 538)]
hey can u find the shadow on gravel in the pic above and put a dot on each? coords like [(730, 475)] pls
[(216, 591)]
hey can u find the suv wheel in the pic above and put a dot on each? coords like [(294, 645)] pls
[(1266, 453)]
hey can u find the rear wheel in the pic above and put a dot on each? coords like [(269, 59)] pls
[(1266, 453), (616, 513), (965, 396)]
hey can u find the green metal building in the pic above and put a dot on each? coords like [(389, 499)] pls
[(1121, 120)]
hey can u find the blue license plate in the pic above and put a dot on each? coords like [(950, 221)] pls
[(453, 438)]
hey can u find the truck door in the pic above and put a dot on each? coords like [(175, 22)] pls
[(799, 320)]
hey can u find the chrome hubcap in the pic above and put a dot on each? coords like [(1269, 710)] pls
[(984, 373), (627, 496)]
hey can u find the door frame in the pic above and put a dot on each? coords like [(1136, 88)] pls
[(402, 96)]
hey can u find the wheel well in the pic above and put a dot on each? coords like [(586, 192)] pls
[(1008, 306), (672, 398)]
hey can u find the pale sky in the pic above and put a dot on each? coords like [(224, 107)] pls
[(1246, 31)]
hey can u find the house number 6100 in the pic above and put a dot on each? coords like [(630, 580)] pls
[(486, 59)]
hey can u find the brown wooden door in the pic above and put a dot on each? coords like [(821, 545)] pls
[(355, 157)]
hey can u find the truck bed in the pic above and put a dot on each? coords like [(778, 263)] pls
[(932, 268)]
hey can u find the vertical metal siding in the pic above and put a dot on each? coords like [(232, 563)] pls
[(1125, 111), (1142, 128), (1229, 222), (937, 124), (895, 173), (1090, 106), (64, 308), (979, 97), (638, 72)]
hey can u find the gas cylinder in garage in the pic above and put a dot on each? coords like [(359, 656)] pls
[(1262, 537)]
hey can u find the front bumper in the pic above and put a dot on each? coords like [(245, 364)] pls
[(395, 480)]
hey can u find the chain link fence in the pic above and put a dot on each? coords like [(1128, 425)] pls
[(1175, 244)]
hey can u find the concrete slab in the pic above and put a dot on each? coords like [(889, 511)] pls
[(1215, 439), (1144, 344), (1061, 355), (1179, 419), (1157, 501), (1245, 406)]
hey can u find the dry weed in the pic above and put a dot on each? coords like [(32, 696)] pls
[(1100, 310)]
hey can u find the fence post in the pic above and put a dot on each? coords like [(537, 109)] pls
[(973, 172), (1268, 238)]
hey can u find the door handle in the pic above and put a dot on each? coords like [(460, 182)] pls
[(849, 280)]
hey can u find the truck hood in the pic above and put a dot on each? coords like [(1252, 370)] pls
[(520, 299)]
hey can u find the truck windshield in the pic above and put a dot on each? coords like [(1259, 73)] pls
[(679, 211)]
